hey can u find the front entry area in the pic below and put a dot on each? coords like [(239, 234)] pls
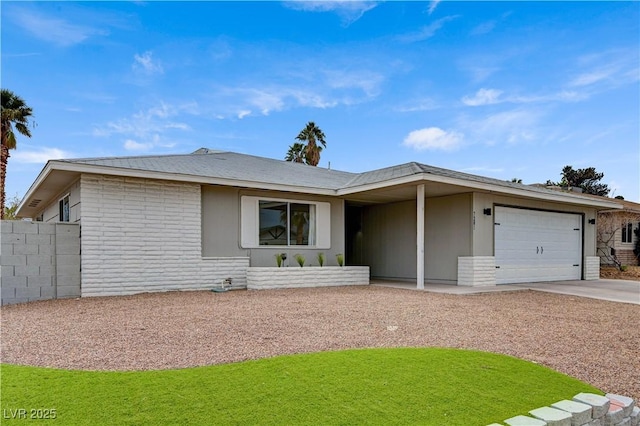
[(534, 246)]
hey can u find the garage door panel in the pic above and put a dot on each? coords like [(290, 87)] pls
[(533, 245)]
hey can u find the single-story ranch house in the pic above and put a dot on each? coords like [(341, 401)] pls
[(179, 222)]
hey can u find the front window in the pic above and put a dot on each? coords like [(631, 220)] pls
[(627, 234), (273, 222), (285, 223)]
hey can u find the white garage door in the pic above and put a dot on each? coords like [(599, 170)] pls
[(533, 245)]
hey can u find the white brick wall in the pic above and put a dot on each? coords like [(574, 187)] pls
[(476, 271), (592, 269), (261, 278), (142, 235)]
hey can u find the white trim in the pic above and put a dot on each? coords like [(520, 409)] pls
[(420, 236)]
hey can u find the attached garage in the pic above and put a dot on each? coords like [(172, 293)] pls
[(533, 245)]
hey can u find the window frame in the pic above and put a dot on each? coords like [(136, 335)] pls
[(61, 209), (250, 223), (627, 233)]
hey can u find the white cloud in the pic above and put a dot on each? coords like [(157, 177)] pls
[(484, 28), (367, 81), (433, 138), (562, 96), (611, 69), (144, 63), (494, 96), (427, 31), (131, 145), (426, 104), (41, 155), (148, 129), (591, 77), (483, 97), (512, 126), (325, 88), (349, 11), (433, 5), (53, 30)]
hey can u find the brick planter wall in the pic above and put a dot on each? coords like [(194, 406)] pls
[(592, 268), (261, 278), (476, 271)]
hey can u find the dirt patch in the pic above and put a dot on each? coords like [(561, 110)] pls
[(593, 340), (632, 273)]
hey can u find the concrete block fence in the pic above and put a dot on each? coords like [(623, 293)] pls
[(39, 261), (585, 409)]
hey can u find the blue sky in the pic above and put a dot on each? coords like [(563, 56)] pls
[(500, 89)]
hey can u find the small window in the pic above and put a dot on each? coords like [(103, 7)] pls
[(64, 209), (627, 233)]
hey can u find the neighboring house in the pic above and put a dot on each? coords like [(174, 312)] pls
[(157, 223), (617, 234)]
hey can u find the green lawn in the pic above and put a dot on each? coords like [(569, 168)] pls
[(375, 386)]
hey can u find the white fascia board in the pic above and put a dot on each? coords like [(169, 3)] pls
[(147, 174), (44, 173), (565, 198)]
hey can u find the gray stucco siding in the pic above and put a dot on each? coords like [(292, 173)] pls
[(448, 235), (221, 227), (221, 222), (389, 240)]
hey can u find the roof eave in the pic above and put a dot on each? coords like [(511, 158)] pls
[(55, 165), (42, 176), (565, 198)]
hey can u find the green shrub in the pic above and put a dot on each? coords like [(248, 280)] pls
[(340, 259), (300, 259), (279, 259), (624, 268), (321, 259)]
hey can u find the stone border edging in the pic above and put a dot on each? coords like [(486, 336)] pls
[(586, 409)]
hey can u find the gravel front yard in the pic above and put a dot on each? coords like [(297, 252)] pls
[(595, 341)]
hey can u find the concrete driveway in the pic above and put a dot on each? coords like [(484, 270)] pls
[(613, 290)]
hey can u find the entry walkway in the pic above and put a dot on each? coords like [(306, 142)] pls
[(613, 290)]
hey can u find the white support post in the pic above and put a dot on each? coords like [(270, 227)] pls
[(420, 237)]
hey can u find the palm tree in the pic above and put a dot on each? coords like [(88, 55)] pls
[(296, 153), (312, 135), (14, 112)]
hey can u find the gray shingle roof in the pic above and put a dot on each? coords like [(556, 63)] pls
[(206, 163), (413, 168), (229, 165)]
